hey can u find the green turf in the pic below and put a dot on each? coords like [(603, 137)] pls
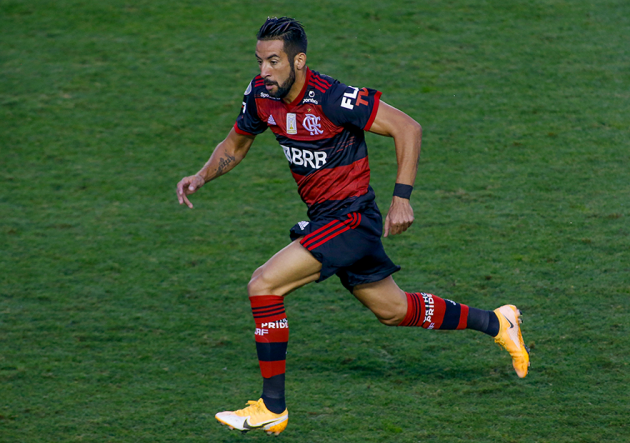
[(124, 317)]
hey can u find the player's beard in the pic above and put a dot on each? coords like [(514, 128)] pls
[(283, 89)]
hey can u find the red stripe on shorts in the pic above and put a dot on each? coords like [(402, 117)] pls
[(309, 239), (341, 231), (330, 231)]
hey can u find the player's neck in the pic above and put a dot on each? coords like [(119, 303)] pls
[(296, 89)]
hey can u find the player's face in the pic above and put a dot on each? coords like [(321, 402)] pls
[(275, 68)]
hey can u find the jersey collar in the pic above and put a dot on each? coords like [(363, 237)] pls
[(300, 96)]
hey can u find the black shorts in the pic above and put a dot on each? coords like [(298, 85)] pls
[(349, 246)]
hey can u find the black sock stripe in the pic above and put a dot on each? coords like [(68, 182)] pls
[(268, 311), (272, 351), (264, 308), (451, 315), (266, 317)]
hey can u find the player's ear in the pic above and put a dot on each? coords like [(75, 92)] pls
[(300, 61)]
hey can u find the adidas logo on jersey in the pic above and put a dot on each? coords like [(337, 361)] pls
[(271, 121)]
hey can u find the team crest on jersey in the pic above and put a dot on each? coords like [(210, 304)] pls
[(312, 125), (291, 123), (271, 121)]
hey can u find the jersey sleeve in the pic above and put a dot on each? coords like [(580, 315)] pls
[(349, 105), (248, 122)]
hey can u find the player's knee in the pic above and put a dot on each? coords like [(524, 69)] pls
[(255, 287), (391, 320), (391, 316), (259, 285)]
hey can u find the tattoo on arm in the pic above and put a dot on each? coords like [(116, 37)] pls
[(224, 163)]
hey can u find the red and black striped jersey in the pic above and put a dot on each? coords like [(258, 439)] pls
[(322, 135)]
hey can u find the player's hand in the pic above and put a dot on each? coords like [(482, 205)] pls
[(399, 217), (186, 186)]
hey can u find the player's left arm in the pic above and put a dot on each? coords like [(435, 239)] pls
[(407, 134)]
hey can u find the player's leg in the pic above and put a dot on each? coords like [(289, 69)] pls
[(385, 299), (286, 271), (394, 307), (289, 269)]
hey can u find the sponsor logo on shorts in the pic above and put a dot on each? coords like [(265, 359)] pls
[(303, 224)]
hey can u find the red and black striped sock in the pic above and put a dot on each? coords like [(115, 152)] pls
[(432, 312), (272, 336)]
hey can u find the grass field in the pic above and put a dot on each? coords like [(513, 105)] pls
[(124, 317)]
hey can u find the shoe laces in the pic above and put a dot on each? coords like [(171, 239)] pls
[(256, 407)]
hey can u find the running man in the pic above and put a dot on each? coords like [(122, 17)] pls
[(320, 124)]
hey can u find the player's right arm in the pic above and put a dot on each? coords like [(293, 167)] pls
[(226, 155), (230, 151)]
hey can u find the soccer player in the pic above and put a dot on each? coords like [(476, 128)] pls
[(320, 124)]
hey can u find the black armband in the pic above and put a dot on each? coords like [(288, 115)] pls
[(402, 191)]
